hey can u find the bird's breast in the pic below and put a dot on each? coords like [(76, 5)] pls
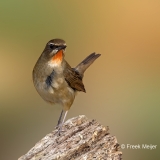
[(51, 84), (57, 92)]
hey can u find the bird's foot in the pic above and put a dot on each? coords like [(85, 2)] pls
[(60, 130), (56, 127)]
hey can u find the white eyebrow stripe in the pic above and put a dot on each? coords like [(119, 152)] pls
[(51, 43), (57, 44)]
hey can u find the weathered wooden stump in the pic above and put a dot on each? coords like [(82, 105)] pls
[(82, 139)]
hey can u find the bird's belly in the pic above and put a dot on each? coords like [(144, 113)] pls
[(59, 93)]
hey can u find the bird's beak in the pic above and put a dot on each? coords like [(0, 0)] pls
[(61, 47)]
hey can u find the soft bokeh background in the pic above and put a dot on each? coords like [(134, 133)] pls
[(123, 85)]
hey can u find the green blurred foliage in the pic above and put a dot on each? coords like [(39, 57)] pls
[(122, 85)]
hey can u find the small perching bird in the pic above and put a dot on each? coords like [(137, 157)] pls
[(55, 80)]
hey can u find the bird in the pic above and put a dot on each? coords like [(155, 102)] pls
[(55, 80)]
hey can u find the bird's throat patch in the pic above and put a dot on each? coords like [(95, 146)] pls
[(57, 58)]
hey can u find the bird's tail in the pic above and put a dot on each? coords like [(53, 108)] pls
[(81, 67)]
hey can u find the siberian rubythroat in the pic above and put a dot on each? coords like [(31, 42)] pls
[(55, 80)]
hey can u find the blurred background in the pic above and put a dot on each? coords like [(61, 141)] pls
[(123, 85)]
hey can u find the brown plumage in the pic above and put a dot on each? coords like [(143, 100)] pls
[(73, 78), (55, 80)]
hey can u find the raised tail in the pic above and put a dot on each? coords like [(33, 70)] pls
[(81, 67)]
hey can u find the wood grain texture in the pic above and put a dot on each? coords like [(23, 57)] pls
[(82, 139)]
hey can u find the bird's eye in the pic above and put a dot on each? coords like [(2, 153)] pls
[(51, 45)]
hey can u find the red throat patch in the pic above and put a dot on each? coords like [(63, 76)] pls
[(57, 57)]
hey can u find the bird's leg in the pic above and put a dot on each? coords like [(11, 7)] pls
[(61, 124), (64, 117), (60, 119)]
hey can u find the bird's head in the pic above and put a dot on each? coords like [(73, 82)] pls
[(54, 50)]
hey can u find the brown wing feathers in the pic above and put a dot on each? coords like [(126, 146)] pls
[(73, 78)]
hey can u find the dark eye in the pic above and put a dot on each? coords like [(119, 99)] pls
[(51, 45)]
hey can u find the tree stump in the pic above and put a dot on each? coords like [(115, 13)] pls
[(81, 139)]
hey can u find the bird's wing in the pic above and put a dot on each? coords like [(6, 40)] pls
[(73, 78)]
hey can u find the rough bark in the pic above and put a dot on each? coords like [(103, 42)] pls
[(82, 139)]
